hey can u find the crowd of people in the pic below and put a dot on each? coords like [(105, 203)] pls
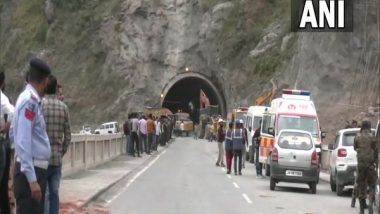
[(145, 134), (35, 136)]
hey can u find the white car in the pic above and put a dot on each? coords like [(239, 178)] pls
[(343, 160), (108, 128), (85, 130)]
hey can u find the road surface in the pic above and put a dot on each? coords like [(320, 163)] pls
[(184, 180)]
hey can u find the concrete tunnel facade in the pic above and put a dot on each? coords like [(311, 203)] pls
[(184, 88)]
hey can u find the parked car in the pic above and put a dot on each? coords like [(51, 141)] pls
[(343, 160), (85, 130), (108, 128), (294, 159)]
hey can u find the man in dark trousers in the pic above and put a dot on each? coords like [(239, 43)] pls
[(127, 136), (134, 128), (256, 143), (238, 146), (365, 145), (6, 116), (32, 146)]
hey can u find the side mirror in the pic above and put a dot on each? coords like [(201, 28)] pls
[(271, 131), (331, 146), (323, 135), (250, 129)]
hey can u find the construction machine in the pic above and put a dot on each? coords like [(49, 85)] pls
[(267, 96)]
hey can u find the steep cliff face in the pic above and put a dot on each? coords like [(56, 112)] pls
[(117, 55)]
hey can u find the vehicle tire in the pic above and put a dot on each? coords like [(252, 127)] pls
[(272, 184), (251, 155), (97, 133), (332, 184), (339, 187), (313, 188)]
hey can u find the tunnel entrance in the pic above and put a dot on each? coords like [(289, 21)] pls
[(183, 95)]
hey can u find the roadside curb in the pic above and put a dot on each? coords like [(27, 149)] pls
[(102, 190)]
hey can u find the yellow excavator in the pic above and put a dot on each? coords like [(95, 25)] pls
[(267, 96)]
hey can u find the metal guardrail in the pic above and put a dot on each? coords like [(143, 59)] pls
[(87, 151)]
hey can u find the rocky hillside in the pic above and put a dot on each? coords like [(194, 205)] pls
[(115, 56)]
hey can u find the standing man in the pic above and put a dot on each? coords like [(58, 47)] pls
[(158, 132), (57, 119), (220, 139), (229, 147), (256, 143), (367, 152), (127, 134), (150, 129), (6, 116), (142, 135), (134, 124), (31, 141), (238, 146), (245, 143)]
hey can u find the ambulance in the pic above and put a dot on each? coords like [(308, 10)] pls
[(252, 122), (294, 110)]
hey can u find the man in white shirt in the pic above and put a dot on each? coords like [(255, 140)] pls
[(6, 116)]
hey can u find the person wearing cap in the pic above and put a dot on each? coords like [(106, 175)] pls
[(31, 141), (238, 146), (220, 139)]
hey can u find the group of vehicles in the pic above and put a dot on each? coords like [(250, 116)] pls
[(290, 142)]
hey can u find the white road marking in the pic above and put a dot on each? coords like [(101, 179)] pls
[(138, 174), (236, 185), (223, 169), (245, 196), (229, 176)]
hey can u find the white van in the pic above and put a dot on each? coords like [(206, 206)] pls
[(252, 122), (108, 128)]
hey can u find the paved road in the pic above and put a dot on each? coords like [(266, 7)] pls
[(185, 180)]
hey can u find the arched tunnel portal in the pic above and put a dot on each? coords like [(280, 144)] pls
[(182, 93)]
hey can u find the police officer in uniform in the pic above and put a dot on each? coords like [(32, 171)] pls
[(31, 141), (367, 151)]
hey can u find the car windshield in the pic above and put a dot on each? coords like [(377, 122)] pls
[(348, 139), (294, 140), (309, 124)]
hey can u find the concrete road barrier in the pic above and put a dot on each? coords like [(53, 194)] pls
[(86, 151)]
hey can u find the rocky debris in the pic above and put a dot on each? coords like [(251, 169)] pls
[(49, 11), (285, 42), (265, 44)]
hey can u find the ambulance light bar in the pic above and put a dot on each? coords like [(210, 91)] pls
[(296, 92)]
